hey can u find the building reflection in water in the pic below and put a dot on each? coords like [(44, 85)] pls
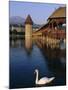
[(28, 42), (48, 52), (52, 54), (17, 43)]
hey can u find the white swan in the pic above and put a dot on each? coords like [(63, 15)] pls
[(43, 80)]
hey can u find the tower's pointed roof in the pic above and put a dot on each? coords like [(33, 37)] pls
[(28, 20)]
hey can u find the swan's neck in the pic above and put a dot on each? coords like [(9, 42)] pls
[(36, 77)]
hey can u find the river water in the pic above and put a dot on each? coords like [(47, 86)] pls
[(25, 59)]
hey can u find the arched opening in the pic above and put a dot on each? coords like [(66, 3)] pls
[(50, 25), (55, 25), (62, 26), (14, 32), (10, 31)]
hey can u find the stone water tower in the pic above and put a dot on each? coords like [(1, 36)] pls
[(28, 32)]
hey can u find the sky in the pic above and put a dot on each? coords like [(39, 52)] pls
[(39, 12)]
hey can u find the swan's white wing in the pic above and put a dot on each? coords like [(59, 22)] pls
[(43, 80), (51, 79)]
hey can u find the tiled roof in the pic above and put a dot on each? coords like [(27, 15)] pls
[(60, 12), (28, 20)]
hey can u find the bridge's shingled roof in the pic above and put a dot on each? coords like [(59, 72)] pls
[(59, 13)]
